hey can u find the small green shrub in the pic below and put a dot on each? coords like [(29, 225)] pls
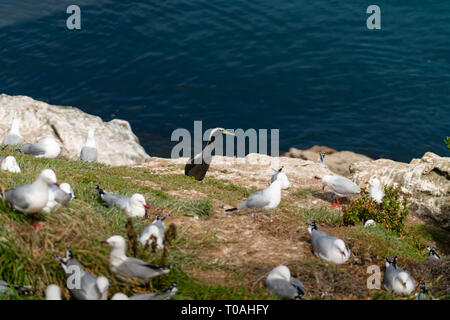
[(447, 142), (391, 213)]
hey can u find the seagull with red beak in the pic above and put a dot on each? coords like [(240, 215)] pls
[(396, 279), (31, 197), (134, 206), (341, 186)]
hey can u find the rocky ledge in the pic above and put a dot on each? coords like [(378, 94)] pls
[(116, 142)]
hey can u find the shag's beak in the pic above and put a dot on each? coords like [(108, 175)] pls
[(146, 206), (104, 242), (229, 133), (57, 184)]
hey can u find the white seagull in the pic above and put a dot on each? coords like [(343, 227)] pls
[(341, 186), (31, 198), (9, 164), (169, 293), (376, 192), (328, 247), (281, 175), (198, 165), (155, 229), (134, 206), (280, 283), (266, 199), (90, 287), (89, 151), (130, 269), (13, 137), (47, 148), (397, 279)]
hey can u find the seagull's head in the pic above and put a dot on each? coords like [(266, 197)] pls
[(402, 278), (48, 176), (103, 286), (340, 245), (115, 242), (280, 272), (119, 296), (325, 180), (374, 182), (138, 199)]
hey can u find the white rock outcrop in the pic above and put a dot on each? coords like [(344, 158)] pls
[(116, 142), (426, 181)]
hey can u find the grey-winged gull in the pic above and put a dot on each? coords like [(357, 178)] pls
[(47, 148), (375, 192), (134, 206), (31, 198), (198, 165), (282, 284), (281, 175), (156, 229), (267, 198), (89, 151), (341, 186), (9, 164), (13, 137), (396, 279), (130, 269), (166, 295), (82, 284), (328, 247), (53, 292), (433, 255)]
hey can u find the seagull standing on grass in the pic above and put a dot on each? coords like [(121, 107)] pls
[(328, 247), (9, 164), (130, 269), (169, 293), (134, 206), (341, 186), (267, 199), (13, 137), (280, 283), (397, 279), (89, 151), (376, 192), (198, 166), (281, 175), (47, 148), (155, 229), (31, 198), (90, 287)]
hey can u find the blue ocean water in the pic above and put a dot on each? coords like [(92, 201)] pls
[(308, 67)]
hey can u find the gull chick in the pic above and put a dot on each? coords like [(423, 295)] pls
[(155, 229), (376, 192)]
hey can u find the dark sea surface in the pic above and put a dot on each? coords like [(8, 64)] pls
[(310, 68)]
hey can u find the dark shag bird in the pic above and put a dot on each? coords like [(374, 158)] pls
[(198, 165)]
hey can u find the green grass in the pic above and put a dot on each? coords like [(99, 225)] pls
[(25, 253)]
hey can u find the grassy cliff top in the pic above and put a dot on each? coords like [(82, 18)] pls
[(218, 255)]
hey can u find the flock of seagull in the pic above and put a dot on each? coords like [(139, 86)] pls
[(45, 194)]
